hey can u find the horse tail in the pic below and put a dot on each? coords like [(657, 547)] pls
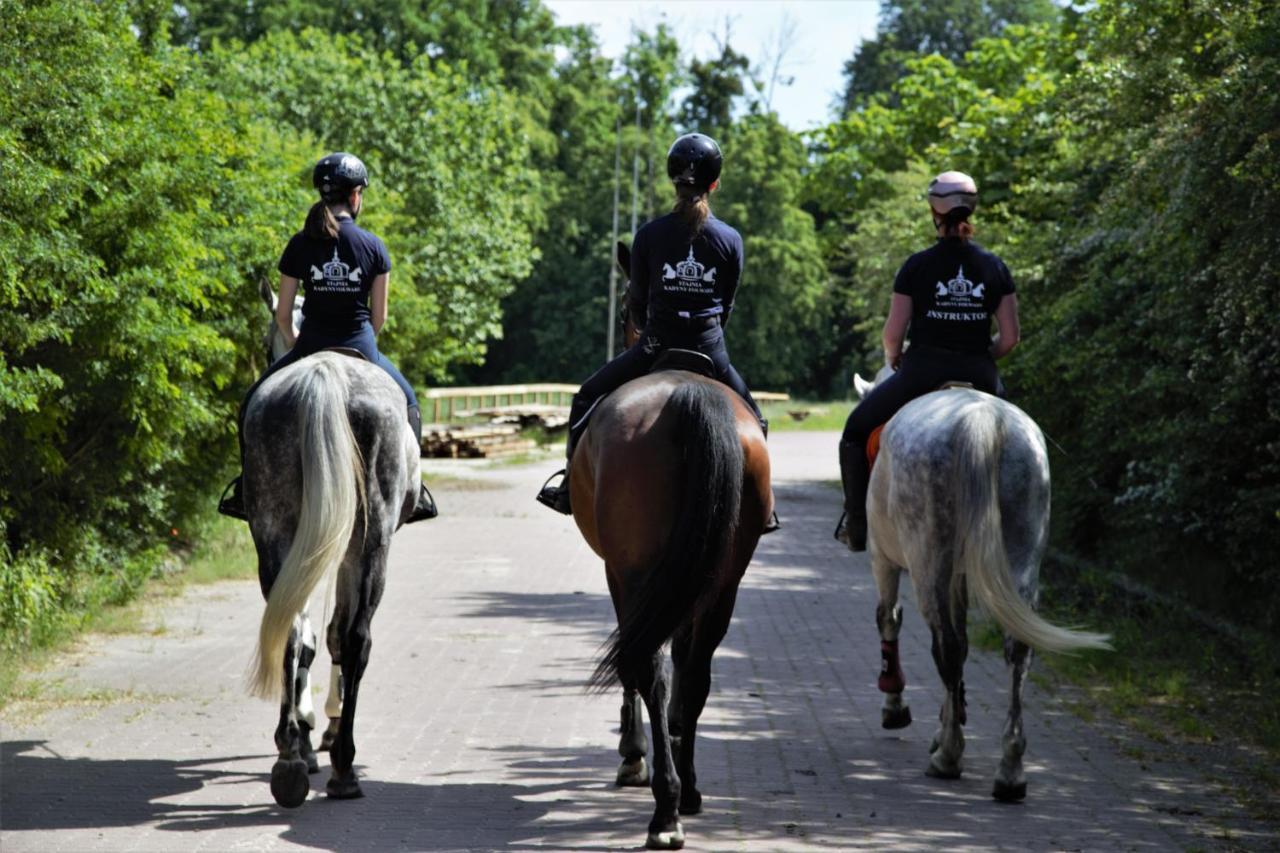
[(333, 490), (982, 561), (705, 520)]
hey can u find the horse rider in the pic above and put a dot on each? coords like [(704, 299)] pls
[(344, 271), (685, 271), (943, 300)]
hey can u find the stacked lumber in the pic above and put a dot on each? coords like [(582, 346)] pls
[(526, 415), (444, 441)]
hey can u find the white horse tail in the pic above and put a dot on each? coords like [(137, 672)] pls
[(981, 558), (333, 491)]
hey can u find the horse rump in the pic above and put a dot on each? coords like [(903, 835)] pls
[(687, 575)]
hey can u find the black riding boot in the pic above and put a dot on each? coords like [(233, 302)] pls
[(425, 507), (774, 523), (854, 474), (557, 496)]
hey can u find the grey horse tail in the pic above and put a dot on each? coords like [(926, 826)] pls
[(982, 562), (332, 494), (684, 580)]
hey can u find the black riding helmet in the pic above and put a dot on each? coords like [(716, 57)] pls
[(695, 160), (336, 175)]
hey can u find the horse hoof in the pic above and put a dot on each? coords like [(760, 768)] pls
[(633, 774), (1006, 793), (690, 802), (327, 739), (895, 718), (313, 763), (343, 789), (948, 772), (289, 784), (672, 839)]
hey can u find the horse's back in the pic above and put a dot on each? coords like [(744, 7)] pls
[(934, 450), (625, 471), (374, 408)]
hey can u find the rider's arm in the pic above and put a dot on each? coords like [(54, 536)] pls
[(378, 302), (1008, 330), (284, 308), (731, 291), (895, 328)]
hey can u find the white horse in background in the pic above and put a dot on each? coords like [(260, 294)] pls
[(959, 498)]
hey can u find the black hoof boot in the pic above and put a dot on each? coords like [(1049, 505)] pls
[(557, 496), (232, 501), (1009, 793), (425, 507)]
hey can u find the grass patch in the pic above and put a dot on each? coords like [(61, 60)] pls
[(1172, 677), (818, 416)]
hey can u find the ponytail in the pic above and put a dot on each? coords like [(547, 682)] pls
[(693, 208), (321, 223), (955, 223)]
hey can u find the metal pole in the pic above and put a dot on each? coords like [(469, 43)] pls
[(613, 267), (635, 171)]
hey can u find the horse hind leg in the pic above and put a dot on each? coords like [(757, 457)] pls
[(950, 648), (632, 743), (289, 784), (894, 713), (356, 644), (305, 713), (665, 830), (1011, 783)]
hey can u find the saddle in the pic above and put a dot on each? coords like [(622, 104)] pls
[(685, 359), (350, 352), (873, 441)]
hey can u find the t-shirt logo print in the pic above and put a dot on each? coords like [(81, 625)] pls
[(960, 290), (688, 276), (336, 275)]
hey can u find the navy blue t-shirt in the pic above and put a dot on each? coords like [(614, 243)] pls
[(673, 276), (955, 287), (336, 275)]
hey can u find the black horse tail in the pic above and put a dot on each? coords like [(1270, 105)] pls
[(684, 581)]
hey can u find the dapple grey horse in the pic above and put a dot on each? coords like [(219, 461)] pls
[(959, 498), (331, 470)]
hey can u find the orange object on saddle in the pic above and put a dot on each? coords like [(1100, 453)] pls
[(873, 446)]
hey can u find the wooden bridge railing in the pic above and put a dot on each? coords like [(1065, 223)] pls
[(440, 404)]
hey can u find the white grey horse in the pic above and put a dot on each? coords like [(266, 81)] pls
[(959, 498), (331, 470)]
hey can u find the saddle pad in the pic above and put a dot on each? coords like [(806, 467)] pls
[(350, 352), (873, 446)]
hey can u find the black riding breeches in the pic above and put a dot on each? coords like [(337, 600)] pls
[(706, 337)]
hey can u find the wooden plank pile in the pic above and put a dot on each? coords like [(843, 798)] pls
[(545, 415), (493, 441)]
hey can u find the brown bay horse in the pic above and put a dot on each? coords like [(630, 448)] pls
[(670, 486)]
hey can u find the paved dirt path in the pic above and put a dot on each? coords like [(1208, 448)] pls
[(474, 731)]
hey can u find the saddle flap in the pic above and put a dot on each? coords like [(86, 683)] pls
[(685, 359)]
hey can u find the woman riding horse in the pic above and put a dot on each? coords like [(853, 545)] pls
[(344, 271), (685, 271), (943, 300)]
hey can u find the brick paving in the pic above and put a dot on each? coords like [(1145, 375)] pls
[(474, 732)]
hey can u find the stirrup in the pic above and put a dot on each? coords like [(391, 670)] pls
[(556, 497), (846, 538), (773, 525), (425, 508), (232, 504)]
